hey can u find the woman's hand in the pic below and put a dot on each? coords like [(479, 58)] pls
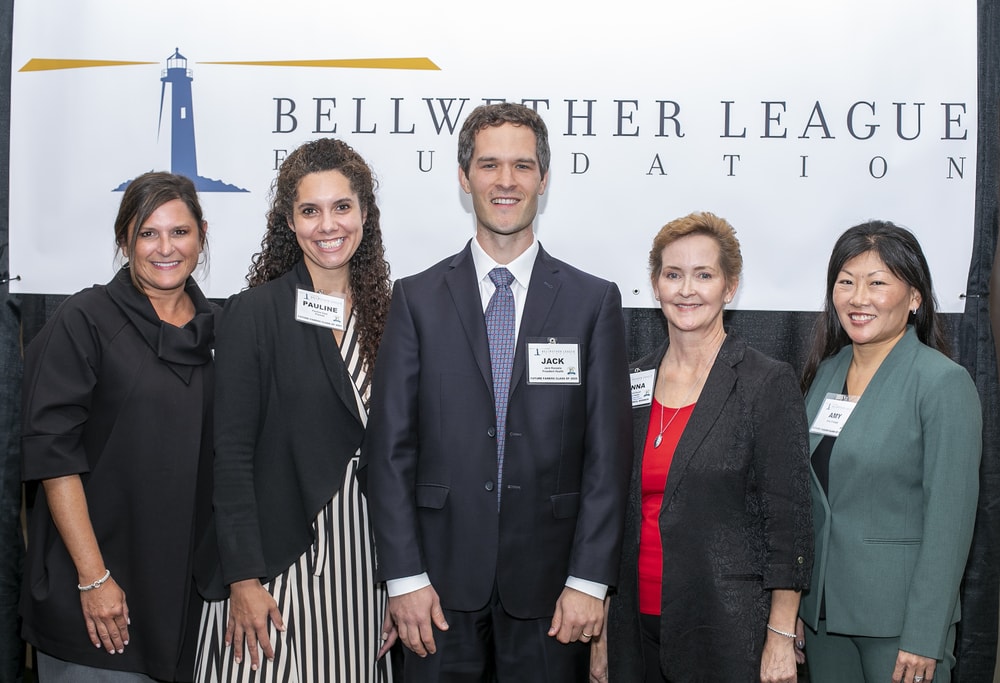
[(911, 668), (599, 658), (389, 634), (250, 607), (777, 665), (106, 615), (800, 642)]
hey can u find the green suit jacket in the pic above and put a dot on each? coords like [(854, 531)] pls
[(893, 536)]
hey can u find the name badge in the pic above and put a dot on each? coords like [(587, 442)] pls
[(833, 414), (553, 362), (323, 310), (642, 387)]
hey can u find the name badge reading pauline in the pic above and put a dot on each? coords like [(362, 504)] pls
[(833, 414), (553, 362), (323, 310), (642, 387)]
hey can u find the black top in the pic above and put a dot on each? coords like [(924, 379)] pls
[(821, 457), (287, 425), (124, 400)]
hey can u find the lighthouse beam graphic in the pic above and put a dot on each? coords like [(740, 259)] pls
[(183, 155), (183, 158)]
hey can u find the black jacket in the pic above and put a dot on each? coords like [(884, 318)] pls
[(735, 523), (287, 424), (124, 401)]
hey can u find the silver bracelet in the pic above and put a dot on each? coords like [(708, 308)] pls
[(780, 633), (97, 584)]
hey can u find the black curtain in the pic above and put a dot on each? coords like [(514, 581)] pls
[(11, 543), (977, 644)]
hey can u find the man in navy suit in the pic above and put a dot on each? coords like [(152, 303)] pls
[(499, 452)]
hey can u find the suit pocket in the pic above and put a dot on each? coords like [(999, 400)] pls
[(742, 577), (565, 505), (431, 496), (893, 541)]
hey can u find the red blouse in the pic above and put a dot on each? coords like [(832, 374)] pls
[(655, 465)]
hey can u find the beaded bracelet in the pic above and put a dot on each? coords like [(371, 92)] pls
[(97, 584), (780, 633)]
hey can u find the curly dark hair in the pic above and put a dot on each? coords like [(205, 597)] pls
[(280, 251)]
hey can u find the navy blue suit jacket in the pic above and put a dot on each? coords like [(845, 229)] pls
[(431, 446)]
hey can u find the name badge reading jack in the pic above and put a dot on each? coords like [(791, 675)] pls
[(318, 309), (833, 414), (552, 362), (642, 387)]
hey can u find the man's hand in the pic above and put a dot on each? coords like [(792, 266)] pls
[(415, 615), (578, 616)]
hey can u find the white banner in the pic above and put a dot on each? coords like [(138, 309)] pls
[(792, 120)]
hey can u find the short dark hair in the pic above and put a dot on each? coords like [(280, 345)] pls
[(490, 115)]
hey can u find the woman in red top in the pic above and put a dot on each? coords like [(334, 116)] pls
[(718, 538)]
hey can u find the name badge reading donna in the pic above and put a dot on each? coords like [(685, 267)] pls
[(323, 310), (642, 383), (833, 414), (551, 362)]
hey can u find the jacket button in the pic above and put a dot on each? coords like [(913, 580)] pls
[(491, 432), (488, 486), (801, 560)]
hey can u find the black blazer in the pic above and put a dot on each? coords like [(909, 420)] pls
[(286, 425), (735, 523), (432, 453)]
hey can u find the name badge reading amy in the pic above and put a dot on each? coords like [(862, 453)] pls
[(642, 383), (552, 362), (323, 310), (833, 414)]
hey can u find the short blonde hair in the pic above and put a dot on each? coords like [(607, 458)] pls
[(700, 223)]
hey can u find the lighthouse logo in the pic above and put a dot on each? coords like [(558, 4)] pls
[(176, 92), (183, 153)]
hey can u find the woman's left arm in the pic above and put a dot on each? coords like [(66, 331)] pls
[(781, 464), (781, 471), (777, 665), (951, 432)]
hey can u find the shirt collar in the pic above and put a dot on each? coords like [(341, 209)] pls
[(520, 267)]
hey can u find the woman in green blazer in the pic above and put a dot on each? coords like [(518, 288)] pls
[(895, 437)]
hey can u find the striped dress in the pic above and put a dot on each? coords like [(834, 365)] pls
[(329, 601)]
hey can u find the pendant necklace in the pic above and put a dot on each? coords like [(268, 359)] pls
[(659, 437)]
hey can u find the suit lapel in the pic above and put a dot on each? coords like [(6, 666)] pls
[(718, 386), (542, 291), (329, 352), (817, 396), (461, 282)]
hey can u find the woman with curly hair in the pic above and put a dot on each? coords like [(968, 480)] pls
[(294, 356)]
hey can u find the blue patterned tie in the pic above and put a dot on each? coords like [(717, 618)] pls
[(500, 330)]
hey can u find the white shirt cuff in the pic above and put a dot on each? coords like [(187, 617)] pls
[(597, 590), (407, 584)]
